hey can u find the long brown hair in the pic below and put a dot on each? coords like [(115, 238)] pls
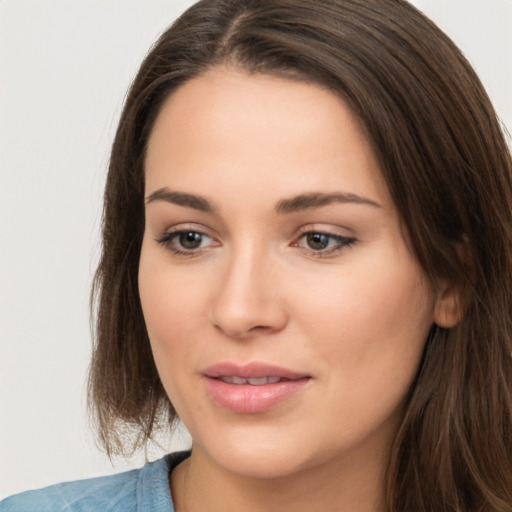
[(449, 171)]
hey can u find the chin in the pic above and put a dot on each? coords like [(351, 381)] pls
[(259, 453), (262, 464)]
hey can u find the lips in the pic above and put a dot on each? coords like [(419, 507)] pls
[(252, 388), (253, 381)]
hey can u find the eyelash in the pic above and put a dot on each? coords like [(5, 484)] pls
[(341, 242), (167, 240)]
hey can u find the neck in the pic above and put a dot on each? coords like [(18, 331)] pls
[(352, 484)]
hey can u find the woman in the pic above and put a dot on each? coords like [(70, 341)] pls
[(306, 257)]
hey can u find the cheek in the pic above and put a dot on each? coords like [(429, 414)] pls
[(368, 342), (371, 328), (172, 304), (172, 307), (377, 303)]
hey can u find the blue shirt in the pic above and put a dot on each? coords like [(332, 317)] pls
[(139, 490)]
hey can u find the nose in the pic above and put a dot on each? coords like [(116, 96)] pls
[(248, 297)]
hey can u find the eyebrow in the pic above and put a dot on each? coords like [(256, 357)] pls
[(293, 204), (318, 199), (181, 199)]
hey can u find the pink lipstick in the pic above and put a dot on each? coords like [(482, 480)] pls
[(252, 388)]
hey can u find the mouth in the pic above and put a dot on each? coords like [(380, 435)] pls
[(252, 388), (251, 372), (253, 381)]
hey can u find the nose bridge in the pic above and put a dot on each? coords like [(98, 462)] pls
[(247, 297)]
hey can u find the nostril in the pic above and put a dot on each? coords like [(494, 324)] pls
[(259, 328), (241, 333)]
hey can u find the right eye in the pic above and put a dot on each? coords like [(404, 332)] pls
[(185, 242)]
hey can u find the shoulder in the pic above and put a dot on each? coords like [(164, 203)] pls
[(140, 490), (107, 493)]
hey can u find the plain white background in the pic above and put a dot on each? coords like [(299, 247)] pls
[(65, 66)]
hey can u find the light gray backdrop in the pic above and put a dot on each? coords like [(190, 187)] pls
[(64, 68)]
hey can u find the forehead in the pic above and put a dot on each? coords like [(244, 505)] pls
[(244, 130)]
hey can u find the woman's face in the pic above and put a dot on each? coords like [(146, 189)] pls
[(286, 313)]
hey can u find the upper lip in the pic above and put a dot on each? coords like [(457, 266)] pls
[(252, 370)]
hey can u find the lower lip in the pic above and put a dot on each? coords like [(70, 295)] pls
[(245, 398)]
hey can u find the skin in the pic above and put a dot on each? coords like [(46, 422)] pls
[(353, 317)]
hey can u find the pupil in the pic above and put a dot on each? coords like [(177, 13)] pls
[(317, 241), (190, 240)]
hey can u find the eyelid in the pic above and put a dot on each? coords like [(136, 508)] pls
[(325, 229), (344, 241), (170, 234), (188, 226)]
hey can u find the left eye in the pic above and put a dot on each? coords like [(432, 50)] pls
[(323, 242), (186, 241), (190, 239)]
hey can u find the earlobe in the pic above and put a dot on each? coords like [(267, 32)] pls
[(452, 299), (448, 308)]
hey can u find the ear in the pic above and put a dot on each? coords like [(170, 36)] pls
[(452, 299), (448, 308)]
